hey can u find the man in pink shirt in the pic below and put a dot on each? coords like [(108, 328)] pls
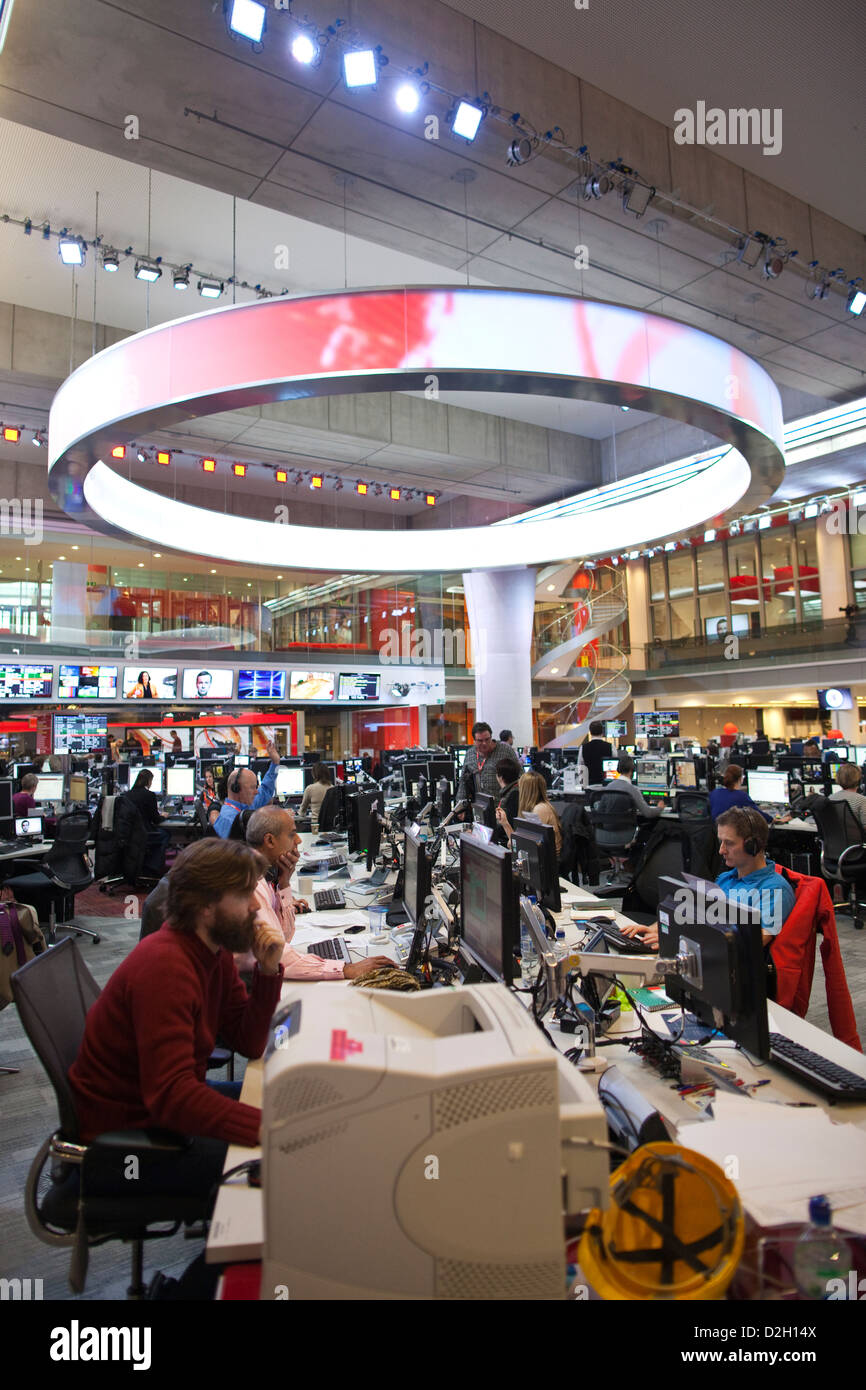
[(271, 832)]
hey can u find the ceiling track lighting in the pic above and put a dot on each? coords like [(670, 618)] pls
[(596, 186), (749, 250), (521, 150), (148, 270), (246, 19), (181, 279), (110, 260), (71, 249), (210, 289), (856, 301), (465, 119)]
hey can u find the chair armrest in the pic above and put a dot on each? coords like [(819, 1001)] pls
[(142, 1140)]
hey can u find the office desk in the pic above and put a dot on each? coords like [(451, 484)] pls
[(27, 851)]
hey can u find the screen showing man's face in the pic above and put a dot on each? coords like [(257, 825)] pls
[(202, 683)]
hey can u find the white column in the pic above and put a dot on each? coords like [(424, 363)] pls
[(832, 552), (500, 604), (638, 612), (422, 726), (69, 604)]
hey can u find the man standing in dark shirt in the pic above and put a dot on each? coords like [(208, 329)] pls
[(594, 751)]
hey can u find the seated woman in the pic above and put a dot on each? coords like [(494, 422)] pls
[(508, 779), (532, 800), (731, 793)]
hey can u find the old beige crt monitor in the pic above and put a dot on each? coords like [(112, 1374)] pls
[(419, 1147)]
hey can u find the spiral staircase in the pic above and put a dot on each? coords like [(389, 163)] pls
[(569, 656)]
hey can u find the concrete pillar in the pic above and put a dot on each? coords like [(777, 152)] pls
[(300, 730), (848, 722), (500, 604), (832, 549), (636, 575), (422, 726), (69, 604)]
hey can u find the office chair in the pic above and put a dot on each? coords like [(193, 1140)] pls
[(614, 821), (843, 852), (330, 810), (64, 871), (53, 993), (692, 804)]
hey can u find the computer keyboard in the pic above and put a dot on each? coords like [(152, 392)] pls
[(631, 944), (325, 864), (335, 949), (825, 1076), (327, 898)]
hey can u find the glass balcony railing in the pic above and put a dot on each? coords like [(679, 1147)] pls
[(811, 638)]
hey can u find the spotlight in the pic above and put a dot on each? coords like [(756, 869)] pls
[(316, 480), (40, 439), (361, 489), (303, 49), (749, 250), (239, 470), (407, 98), (519, 151), (596, 186), (394, 494), (856, 301), (636, 198), (247, 18), (180, 279), (141, 456), (359, 68), (209, 465), (119, 451), (709, 537), (467, 118), (430, 499), (773, 267), (210, 289), (71, 250), (10, 434), (148, 270), (282, 476), (163, 457), (110, 260)]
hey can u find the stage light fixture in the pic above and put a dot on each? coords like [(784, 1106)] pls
[(148, 270), (247, 18), (180, 279), (773, 266), (304, 50), (71, 250), (819, 290), (520, 151), (141, 456), (394, 494), (163, 457), (316, 480), (359, 68), (361, 489), (466, 120), (209, 465), (11, 434), (430, 499), (636, 198), (282, 476), (40, 439), (110, 260), (210, 289), (749, 251), (119, 451), (407, 98), (596, 186), (856, 301), (239, 470)]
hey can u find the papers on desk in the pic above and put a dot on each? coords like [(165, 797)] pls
[(314, 926), (784, 1156)]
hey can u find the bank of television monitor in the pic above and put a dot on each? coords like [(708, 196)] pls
[(657, 723), (290, 782), (311, 685), (79, 733), (26, 682), (162, 683), (87, 683), (488, 907), (208, 683), (538, 841), (769, 787), (51, 786), (358, 686), (261, 684), (180, 781)]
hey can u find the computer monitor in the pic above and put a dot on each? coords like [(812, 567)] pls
[(361, 813), (860, 755), (609, 766), (413, 774), (290, 782), (727, 988), (121, 773), (797, 747), (7, 791), (51, 786), (77, 789), (374, 841), (768, 787), (686, 773), (484, 810), (538, 842), (652, 773), (489, 908), (28, 825), (180, 781), (242, 759), (156, 774), (417, 879), (442, 767)]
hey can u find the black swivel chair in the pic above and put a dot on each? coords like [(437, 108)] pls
[(330, 809), (614, 820), (63, 872), (53, 993), (843, 852), (692, 805)]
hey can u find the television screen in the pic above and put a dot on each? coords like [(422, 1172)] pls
[(79, 733), (261, 685), (717, 629), (312, 685), (358, 685), (26, 682), (87, 683), (207, 683), (615, 728), (150, 683), (837, 697), (657, 723)]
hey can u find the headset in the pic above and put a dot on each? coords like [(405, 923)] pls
[(234, 779), (752, 845)]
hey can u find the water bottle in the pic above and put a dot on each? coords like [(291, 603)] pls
[(560, 949), (820, 1253), (528, 958)]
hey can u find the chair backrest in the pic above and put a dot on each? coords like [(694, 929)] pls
[(54, 992), (153, 911), (692, 805), (837, 825), (329, 809), (67, 858)]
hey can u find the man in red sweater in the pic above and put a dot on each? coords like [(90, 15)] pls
[(148, 1037)]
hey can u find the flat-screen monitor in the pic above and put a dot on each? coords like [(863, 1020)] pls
[(717, 629), (208, 683), (484, 810), (156, 773), (413, 774), (264, 684), (28, 825), (836, 697), (417, 881), (727, 989), (311, 685), (242, 759), (374, 840), (79, 733), (860, 755), (615, 728), (686, 773), (609, 766), (769, 787), (488, 908), (358, 686), (538, 842), (360, 811), (26, 682), (150, 682), (77, 789), (652, 773), (290, 782), (50, 786), (442, 767), (180, 781), (121, 773), (6, 794), (87, 683), (657, 723)]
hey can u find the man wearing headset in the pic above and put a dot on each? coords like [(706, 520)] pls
[(750, 877), (243, 790)]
